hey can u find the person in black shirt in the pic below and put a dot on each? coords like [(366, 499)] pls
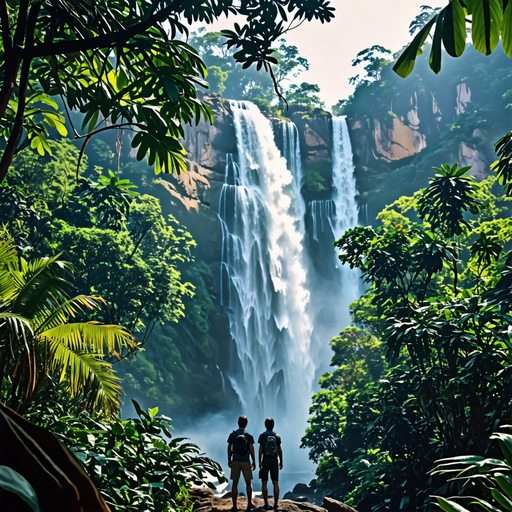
[(240, 446), (269, 453)]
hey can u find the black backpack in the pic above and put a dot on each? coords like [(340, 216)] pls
[(240, 444), (271, 448)]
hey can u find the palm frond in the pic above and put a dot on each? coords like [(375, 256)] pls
[(86, 374), (7, 251), (70, 308), (7, 288), (90, 336), (39, 284)]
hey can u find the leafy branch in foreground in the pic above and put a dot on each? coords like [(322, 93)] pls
[(123, 66), (493, 477)]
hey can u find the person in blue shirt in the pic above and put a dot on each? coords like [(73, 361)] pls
[(269, 453), (240, 446)]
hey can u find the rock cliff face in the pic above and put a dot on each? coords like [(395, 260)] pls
[(417, 121)]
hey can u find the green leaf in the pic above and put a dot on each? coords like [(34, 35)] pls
[(449, 505), (505, 482), (435, 53), (454, 29), (405, 63), (12, 481), (502, 500), (506, 30), (485, 24)]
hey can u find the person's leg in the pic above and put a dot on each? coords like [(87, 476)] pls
[(248, 484), (234, 492), (264, 491), (276, 493)]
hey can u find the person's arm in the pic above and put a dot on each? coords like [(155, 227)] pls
[(251, 451), (230, 453), (280, 457), (260, 457)]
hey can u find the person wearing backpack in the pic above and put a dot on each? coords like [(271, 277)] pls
[(240, 446), (269, 453)]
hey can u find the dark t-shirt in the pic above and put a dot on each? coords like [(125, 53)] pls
[(263, 441), (231, 440)]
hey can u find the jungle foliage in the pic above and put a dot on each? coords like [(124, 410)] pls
[(123, 248), (134, 463), (438, 306), (42, 333), (233, 81)]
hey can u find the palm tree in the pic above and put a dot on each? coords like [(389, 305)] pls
[(37, 339)]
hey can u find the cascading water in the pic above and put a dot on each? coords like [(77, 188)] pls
[(344, 197), (343, 181), (263, 279), (333, 286), (291, 153)]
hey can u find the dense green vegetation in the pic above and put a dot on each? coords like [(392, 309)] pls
[(438, 306), (125, 63), (136, 464), (438, 299)]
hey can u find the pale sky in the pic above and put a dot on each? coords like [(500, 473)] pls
[(358, 24)]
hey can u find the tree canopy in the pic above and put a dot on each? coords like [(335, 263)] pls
[(124, 65)]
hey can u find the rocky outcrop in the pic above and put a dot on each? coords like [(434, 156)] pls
[(395, 135), (39, 472), (315, 132), (204, 500)]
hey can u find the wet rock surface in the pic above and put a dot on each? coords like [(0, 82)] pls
[(204, 500)]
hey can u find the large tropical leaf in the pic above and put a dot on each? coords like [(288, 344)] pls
[(91, 336), (40, 285), (486, 17), (70, 308), (405, 63), (84, 373), (490, 19)]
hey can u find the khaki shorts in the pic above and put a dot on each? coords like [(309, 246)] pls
[(241, 467)]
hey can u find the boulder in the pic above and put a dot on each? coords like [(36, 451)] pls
[(332, 505), (301, 489), (204, 500)]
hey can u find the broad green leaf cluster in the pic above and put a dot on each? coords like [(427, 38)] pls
[(137, 463), (490, 21), (492, 476)]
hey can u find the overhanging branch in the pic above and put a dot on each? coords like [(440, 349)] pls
[(103, 41)]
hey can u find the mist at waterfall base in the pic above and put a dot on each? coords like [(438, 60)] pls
[(283, 307)]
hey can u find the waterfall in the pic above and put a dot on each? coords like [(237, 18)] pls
[(291, 153), (263, 277), (322, 215), (343, 181)]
